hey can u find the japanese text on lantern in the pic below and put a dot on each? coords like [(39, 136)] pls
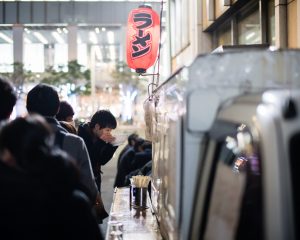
[(142, 44)]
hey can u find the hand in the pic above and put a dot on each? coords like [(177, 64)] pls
[(108, 138)]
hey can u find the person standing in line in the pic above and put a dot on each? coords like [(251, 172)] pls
[(65, 117), (65, 112), (8, 99), (43, 99), (99, 140)]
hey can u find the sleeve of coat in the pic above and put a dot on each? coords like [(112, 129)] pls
[(104, 151)]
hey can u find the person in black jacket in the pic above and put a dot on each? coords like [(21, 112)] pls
[(125, 165), (131, 141), (39, 186), (98, 139)]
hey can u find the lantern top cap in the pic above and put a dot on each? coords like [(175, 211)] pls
[(140, 70), (145, 6)]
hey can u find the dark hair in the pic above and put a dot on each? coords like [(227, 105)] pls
[(43, 99), (65, 110), (35, 154), (104, 118), (146, 145), (138, 142), (132, 138), (8, 99)]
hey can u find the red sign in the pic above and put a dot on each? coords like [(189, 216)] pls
[(143, 32)]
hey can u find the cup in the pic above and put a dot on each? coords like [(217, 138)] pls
[(115, 229), (114, 216)]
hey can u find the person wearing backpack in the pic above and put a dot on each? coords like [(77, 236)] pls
[(43, 99)]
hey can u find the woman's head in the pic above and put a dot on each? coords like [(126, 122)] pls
[(65, 112)]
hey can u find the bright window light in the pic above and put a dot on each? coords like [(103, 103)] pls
[(112, 52), (93, 37), (6, 62), (110, 37), (34, 62)]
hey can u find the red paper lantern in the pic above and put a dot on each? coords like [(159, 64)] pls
[(143, 32)]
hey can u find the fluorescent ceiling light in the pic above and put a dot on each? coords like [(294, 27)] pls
[(97, 30), (58, 30), (40, 37), (103, 29), (26, 40), (58, 37), (65, 30), (93, 37), (6, 38), (110, 37)]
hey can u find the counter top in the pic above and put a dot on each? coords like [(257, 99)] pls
[(137, 223)]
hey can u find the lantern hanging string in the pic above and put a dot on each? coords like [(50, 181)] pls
[(159, 47)]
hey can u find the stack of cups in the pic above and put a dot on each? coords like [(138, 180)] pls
[(115, 230)]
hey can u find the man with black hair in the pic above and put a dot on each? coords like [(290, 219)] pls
[(44, 100), (98, 139), (8, 99)]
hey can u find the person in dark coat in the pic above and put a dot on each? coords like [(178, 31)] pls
[(99, 140), (65, 117), (40, 198), (131, 141), (125, 166), (142, 157)]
